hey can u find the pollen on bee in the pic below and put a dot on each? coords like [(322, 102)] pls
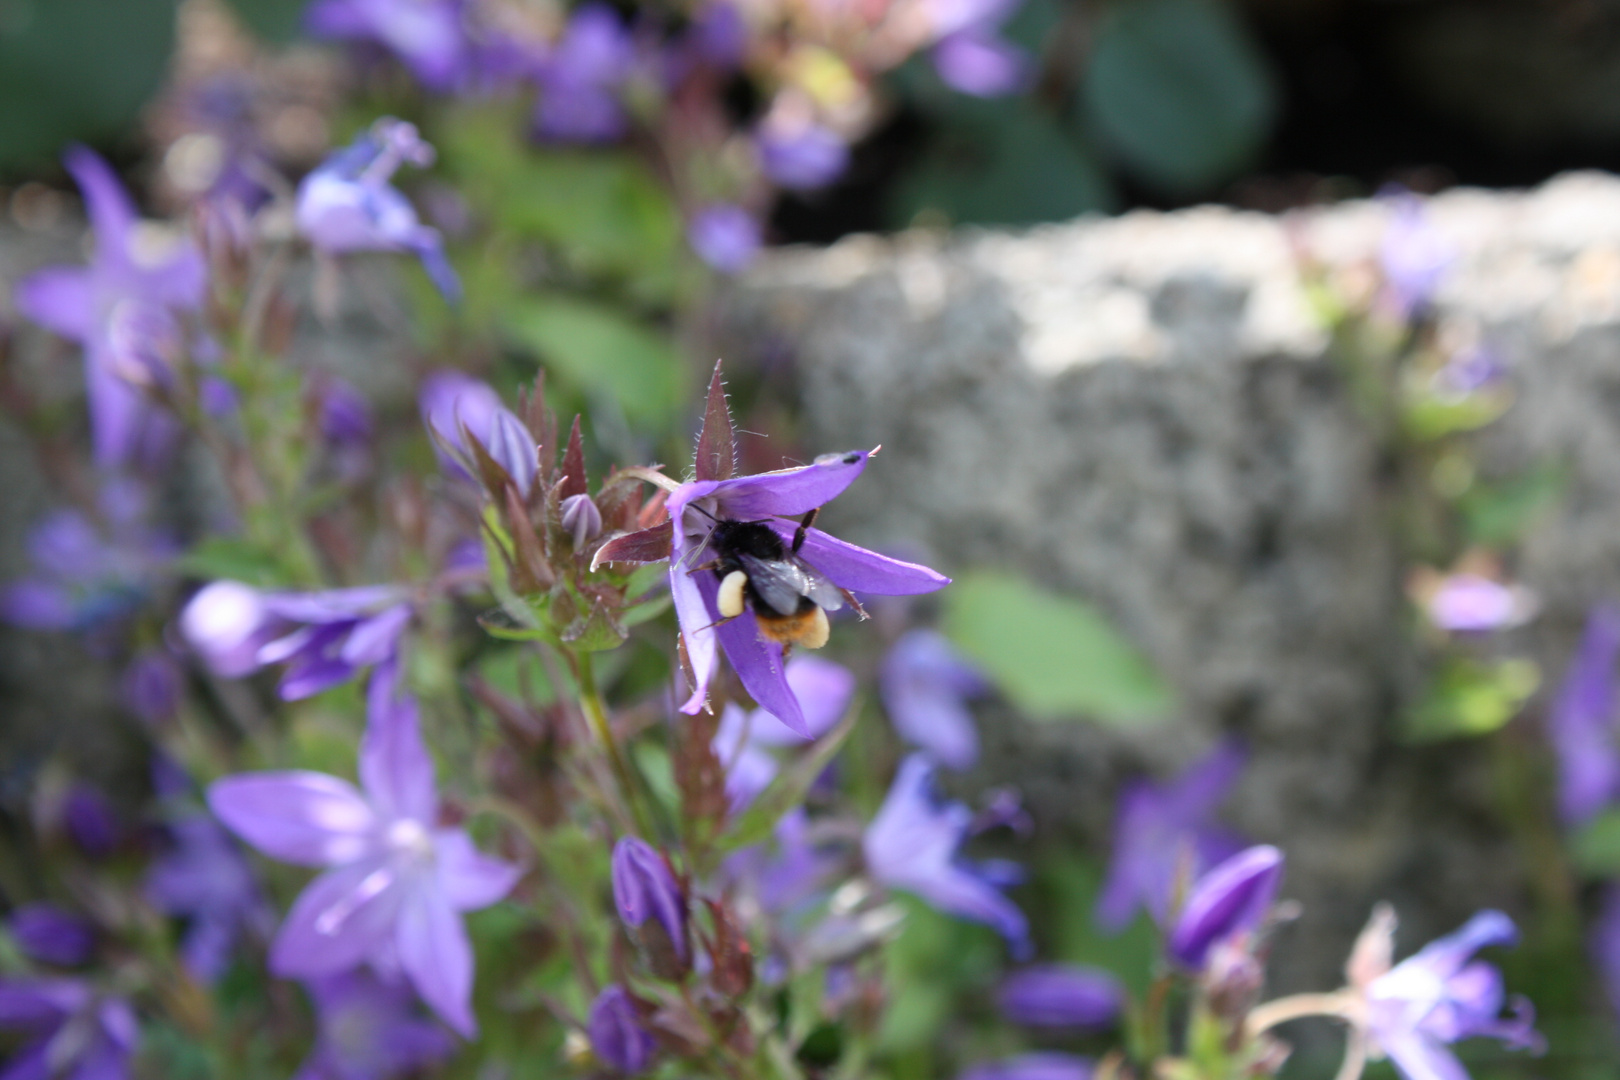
[(817, 633), (730, 598)]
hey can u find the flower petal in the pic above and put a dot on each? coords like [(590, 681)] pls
[(694, 607), (396, 769), (112, 214), (468, 878), (435, 953), (332, 605), (344, 918), (307, 818), (60, 299), (859, 570), (117, 408), (374, 640), (1234, 896), (787, 492), (1421, 1058), (758, 664)]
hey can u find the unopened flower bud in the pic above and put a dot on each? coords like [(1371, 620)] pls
[(1061, 995), (50, 935), (652, 906), (617, 1037), (1235, 896), (1046, 1065), (509, 443), (581, 519), (223, 625)]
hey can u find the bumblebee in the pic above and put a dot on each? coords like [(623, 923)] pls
[(789, 597)]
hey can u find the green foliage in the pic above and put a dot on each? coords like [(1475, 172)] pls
[(1067, 886), (1596, 848), (275, 21), (1054, 656), (601, 348), (1499, 513), (1472, 697), (76, 70), (934, 962), (1179, 91), (788, 789), (233, 558)]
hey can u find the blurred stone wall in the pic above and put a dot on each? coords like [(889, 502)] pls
[(1141, 411)]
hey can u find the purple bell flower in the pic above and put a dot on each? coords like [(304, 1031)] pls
[(777, 499), (1470, 603), (912, 844), (801, 156), (617, 1036), (1231, 899), (348, 205), (452, 402), (745, 739), (427, 35), (1038, 1066), (1062, 996), (395, 883), (204, 878), (370, 1029), (69, 1032), (1440, 996), (969, 55), (925, 685), (1162, 830), (46, 933), (644, 888), (580, 78), (725, 236), (134, 280), (1415, 255), (1581, 722)]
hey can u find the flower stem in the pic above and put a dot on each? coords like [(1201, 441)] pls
[(590, 701), (1297, 1006)]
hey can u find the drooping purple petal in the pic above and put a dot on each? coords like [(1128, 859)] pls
[(695, 610), (785, 493), (760, 668), (823, 690), (436, 955), (306, 818), (862, 571), (345, 917)]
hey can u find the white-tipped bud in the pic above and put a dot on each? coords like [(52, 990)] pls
[(581, 519)]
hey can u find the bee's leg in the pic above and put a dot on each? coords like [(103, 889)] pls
[(854, 604), (804, 527), (712, 564), (787, 646)]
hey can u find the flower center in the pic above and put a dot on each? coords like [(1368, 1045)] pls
[(409, 838)]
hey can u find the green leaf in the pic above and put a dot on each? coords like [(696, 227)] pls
[(234, 559), (77, 70), (1470, 697), (1002, 162), (1179, 90), (276, 21), (605, 351), (1596, 847), (756, 823), (1429, 416), (1498, 513), (1054, 656)]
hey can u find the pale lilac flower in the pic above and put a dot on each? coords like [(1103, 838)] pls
[(69, 1031), (725, 236), (786, 873), (347, 204), (427, 35), (745, 739), (1162, 831), (1581, 722), (969, 54), (778, 499), (370, 1029), (1048, 1065), (1469, 603), (1440, 996), (395, 883), (1414, 254), (644, 888), (225, 624), (204, 879), (617, 1035), (925, 685), (453, 403), (801, 155), (1061, 996), (912, 844), (47, 933), (580, 78), (1232, 898), (135, 286)]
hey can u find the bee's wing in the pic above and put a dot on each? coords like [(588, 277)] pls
[(779, 583), (826, 595)]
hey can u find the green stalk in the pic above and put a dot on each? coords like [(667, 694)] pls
[(590, 701)]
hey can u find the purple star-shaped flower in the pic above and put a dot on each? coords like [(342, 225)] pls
[(428, 36), (725, 236), (969, 54), (925, 685), (745, 739), (395, 884), (69, 1031), (205, 879), (778, 499), (370, 1029), (1439, 996), (580, 77), (1581, 722), (347, 204), (1162, 831), (123, 308), (912, 844)]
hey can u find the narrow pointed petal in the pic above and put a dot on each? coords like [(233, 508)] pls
[(436, 955), (759, 666), (716, 444), (859, 570), (396, 769), (342, 919), (59, 299), (788, 492), (117, 409), (694, 602), (1446, 956), (467, 877), (648, 545), (1418, 1057), (374, 640), (332, 605), (306, 818), (112, 214), (823, 690)]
